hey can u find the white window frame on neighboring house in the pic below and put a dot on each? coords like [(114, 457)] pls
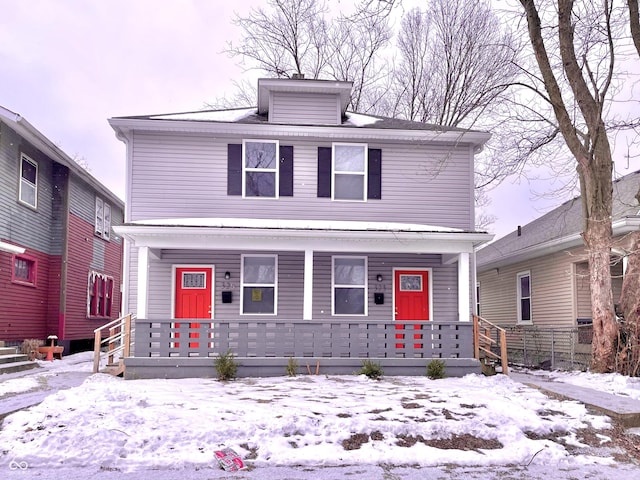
[(26, 185), (335, 286), (247, 171), (256, 288), (524, 298), (337, 172), (103, 219)]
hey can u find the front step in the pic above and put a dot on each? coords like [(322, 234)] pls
[(11, 361), (115, 369)]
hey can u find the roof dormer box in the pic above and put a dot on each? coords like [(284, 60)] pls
[(303, 102)]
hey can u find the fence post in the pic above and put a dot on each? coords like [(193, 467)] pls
[(553, 349), (524, 347)]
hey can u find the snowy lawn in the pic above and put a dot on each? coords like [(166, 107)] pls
[(111, 423)]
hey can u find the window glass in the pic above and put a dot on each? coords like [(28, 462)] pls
[(194, 280), (349, 187), (349, 158), (349, 172), (259, 275), (411, 283), (524, 297), (28, 181), (100, 295), (24, 270), (349, 285), (260, 169)]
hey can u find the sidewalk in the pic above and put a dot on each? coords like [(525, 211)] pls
[(43, 381), (624, 409)]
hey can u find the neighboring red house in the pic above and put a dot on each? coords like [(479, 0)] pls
[(60, 262)]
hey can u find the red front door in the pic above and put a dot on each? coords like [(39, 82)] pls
[(193, 297), (411, 300)]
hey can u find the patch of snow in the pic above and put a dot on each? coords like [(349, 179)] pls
[(232, 115), (360, 120), (133, 425), (296, 224)]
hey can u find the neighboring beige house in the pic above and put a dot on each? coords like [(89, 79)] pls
[(535, 279)]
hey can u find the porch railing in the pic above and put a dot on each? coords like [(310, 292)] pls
[(303, 338), (490, 343), (117, 342)]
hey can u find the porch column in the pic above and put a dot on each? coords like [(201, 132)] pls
[(464, 306), (307, 311), (143, 281)]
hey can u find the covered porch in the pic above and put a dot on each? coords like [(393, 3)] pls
[(306, 321)]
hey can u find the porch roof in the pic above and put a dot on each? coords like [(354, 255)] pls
[(296, 235)]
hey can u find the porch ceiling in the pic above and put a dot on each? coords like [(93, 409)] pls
[(297, 235)]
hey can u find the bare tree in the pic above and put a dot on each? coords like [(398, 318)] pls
[(582, 30), (289, 38)]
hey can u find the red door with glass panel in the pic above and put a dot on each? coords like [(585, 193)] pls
[(411, 300), (193, 298)]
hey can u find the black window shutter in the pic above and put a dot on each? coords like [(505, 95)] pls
[(234, 169), (286, 171), (374, 182), (324, 171)]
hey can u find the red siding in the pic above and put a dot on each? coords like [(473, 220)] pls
[(24, 310), (79, 263)]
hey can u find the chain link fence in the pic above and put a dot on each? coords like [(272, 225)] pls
[(550, 348)]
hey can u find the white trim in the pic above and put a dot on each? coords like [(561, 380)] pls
[(364, 286), (174, 267), (464, 294), (519, 321), (307, 300), (275, 170), (275, 284), (9, 248), (143, 282), (364, 173), (429, 271), (298, 239)]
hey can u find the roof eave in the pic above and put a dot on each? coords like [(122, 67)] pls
[(619, 227), (124, 126)]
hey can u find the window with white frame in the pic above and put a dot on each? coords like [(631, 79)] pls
[(259, 284), (260, 168), (524, 297), (349, 172), (28, 181), (349, 283), (103, 219), (99, 295)]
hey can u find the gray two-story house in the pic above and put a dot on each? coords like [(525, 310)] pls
[(298, 229)]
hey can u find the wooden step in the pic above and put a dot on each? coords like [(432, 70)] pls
[(115, 369), (17, 367), (8, 351)]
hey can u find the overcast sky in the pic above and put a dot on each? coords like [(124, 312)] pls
[(67, 66)]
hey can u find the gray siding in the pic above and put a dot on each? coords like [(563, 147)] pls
[(305, 109), (18, 222), (290, 284), (430, 185)]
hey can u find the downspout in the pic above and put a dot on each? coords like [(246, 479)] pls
[(126, 247)]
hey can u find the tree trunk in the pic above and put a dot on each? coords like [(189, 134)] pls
[(628, 360)]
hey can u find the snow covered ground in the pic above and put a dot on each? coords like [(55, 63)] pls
[(110, 424)]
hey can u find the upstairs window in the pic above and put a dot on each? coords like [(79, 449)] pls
[(350, 172), (103, 219), (100, 295), (260, 168), (28, 181), (24, 270), (259, 286), (349, 285), (524, 297)]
